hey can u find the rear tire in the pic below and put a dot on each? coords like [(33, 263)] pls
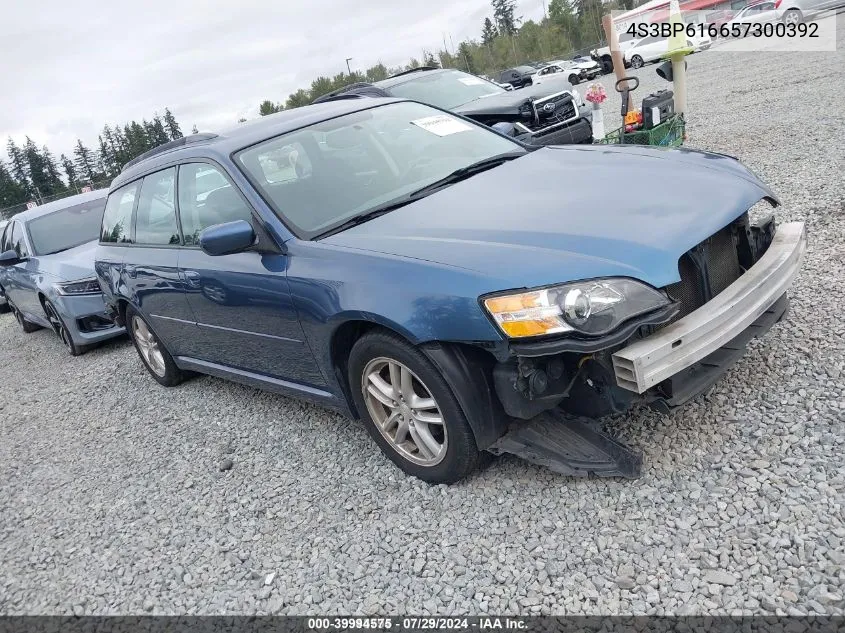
[(151, 350), (410, 410), (636, 61), (573, 79)]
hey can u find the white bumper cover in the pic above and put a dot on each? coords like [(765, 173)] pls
[(651, 360)]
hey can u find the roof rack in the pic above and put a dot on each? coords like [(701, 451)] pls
[(170, 145), (414, 70)]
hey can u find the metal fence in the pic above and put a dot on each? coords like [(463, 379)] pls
[(37, 201)]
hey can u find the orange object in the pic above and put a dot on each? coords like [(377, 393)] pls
[(633, 120)]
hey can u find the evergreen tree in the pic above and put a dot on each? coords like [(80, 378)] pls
[(86, 163), (171, 125), (20, 168), (11, 192), (38, 175), (158, 132), (107, 164), (268, 107), (488, 31), (503, 15), (429, 60), (70, 171), (55, 178)]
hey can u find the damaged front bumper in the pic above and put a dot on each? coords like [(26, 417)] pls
[(650, 361)]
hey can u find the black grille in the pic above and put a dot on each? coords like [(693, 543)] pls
[(718, 255), (563, 112)]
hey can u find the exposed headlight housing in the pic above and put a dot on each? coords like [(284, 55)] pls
[(593, 307), (82, 287)]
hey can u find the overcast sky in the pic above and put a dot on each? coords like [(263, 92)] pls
[(67, 68)]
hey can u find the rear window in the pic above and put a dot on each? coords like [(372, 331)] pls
[(66, 228), (117, 219)]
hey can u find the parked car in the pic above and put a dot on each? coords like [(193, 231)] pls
[(573, 74), (47, 271), (796, 11), (518, 77), (549, 114), (653, 49), (397, 281), (760, 12), (4, 305)]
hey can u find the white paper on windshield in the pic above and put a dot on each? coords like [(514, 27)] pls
[(471, 81), (441, 124)]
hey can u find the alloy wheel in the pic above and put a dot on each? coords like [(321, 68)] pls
[(148, 346), (792, 17), (637, 61), (57, 324), (404, 411)]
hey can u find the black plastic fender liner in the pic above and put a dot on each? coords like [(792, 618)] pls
[(468, 371), (570, 446)]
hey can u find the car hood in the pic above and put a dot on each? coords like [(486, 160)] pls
[(74, 263), (568, 213), (508, 102)]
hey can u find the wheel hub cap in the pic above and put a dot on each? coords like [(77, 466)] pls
[(148, 347), (405, 412)]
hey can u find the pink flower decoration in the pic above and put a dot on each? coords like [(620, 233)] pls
[(595, 94)]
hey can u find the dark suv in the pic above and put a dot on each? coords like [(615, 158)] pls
[(548, 114)]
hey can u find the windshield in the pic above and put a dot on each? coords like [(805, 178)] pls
[(66, 228), (321, 176), (447, 89)]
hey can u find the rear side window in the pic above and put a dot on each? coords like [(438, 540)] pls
[(206, 198), (155, 219), (117, 218)]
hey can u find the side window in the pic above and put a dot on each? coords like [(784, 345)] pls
[(206, 198), (117, 218), (6, 238), (155, 220), (18, 242)]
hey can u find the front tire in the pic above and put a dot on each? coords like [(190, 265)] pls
[(636, 61), (61, 330), (793, 16), (154, 355), (574, 80), (26, 326), (410, 410)]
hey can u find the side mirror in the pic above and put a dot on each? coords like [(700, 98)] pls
[(9, 258), (228, 238)]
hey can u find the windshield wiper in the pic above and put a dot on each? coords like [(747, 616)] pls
[(465, 172), (369, 215), (455, 176)]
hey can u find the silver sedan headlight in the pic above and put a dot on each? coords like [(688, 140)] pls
[(593, 307), (81, 287)]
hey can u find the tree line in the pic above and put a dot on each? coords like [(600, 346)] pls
[(34, 173), (504, 41)]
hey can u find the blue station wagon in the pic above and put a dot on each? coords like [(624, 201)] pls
[(363, 254)]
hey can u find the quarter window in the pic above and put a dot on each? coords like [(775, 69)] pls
[(117, 217), (155, 220), (206, 198)]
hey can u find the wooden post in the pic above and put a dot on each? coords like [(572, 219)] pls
[(615, 53)]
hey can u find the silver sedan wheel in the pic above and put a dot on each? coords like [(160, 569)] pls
[(792, 17), (404, 411), (148, 346)]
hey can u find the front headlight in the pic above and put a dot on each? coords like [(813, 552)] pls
[(592, 307), (81, 287)]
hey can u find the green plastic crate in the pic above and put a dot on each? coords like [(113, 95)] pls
[(670, 133)]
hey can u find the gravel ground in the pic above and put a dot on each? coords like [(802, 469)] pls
[(113, 501)]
